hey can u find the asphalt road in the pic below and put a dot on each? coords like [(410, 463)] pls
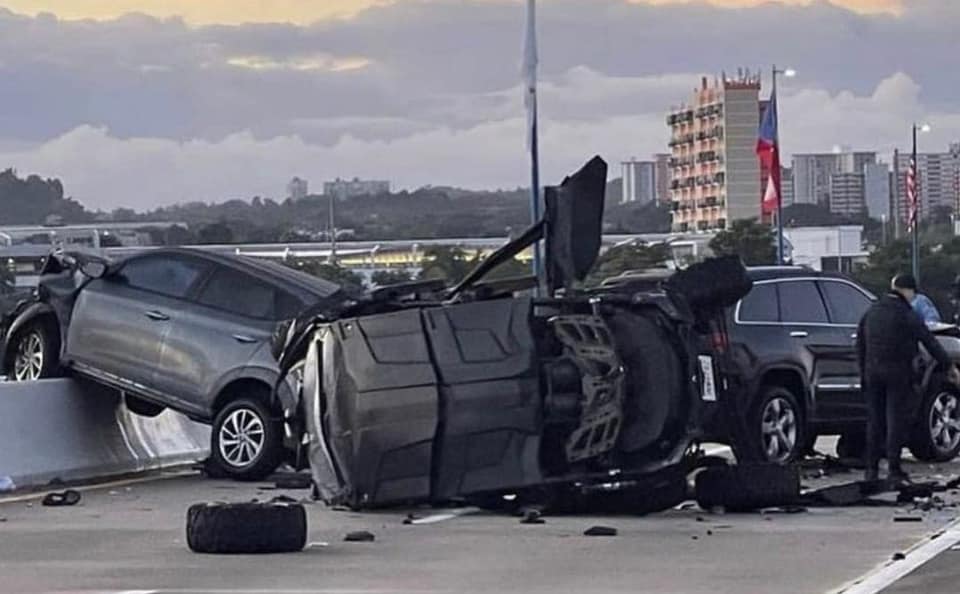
[(126, 538)]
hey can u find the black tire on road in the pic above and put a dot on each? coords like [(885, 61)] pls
[(246, 442), (778, 427), (936, 435), (246, 528), (748, 487), (35, 352)]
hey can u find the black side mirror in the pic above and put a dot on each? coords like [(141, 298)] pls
[(93, 269)]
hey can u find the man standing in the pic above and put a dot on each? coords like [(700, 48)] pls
[(887, 345), (925, 308)]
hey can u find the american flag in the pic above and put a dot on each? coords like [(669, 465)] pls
[(913, 198)]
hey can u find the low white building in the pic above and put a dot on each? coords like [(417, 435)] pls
[(830, 249)]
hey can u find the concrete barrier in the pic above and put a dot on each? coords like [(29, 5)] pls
[(76, 430)]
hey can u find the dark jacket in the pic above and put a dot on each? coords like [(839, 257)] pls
[(888, 338)]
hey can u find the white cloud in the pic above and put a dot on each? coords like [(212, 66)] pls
[(104, 171)]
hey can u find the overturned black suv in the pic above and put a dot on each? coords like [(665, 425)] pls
[(421, 392)]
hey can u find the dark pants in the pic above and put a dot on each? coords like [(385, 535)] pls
[(890, 399)]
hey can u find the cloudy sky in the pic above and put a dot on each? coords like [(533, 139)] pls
[(148, 102)]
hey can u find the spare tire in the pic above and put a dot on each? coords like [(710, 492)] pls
[(246, 528), (748, 487)]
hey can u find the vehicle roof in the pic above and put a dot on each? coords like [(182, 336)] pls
[(762, 273), (307, 282)]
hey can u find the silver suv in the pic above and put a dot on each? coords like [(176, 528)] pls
[(178, 328)]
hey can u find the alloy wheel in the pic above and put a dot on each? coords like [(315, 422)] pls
[(944, 422), (28, 362), (779, 430), (242, 437)]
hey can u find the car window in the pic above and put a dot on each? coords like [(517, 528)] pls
[(288, 306), (171, 276), (800, 303), (846, 303), (239, 293), (760, 305)]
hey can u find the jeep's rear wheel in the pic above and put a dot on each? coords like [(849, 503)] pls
[(936, 437), (246, 441), (35, 351), (779, 427)]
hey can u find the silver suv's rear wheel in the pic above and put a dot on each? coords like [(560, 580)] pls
[(247, 440)]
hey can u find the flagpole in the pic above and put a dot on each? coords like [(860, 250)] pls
[(779, 192), (915, 257), (530, 60)]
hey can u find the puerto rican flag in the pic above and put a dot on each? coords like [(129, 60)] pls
[(769, 153)]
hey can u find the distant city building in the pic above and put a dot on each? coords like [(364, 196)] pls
[(298, 189), (786, 185), (343, 189), (715, 173), (812, 172), (876, 189), (847, 197), (937, 179), (662, 177), (639, 181)]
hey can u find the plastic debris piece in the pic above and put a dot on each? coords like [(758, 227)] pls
[(600, 531), (532, 516), (359, 536), (899, 556), (61, 499)]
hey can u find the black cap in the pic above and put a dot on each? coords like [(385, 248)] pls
[(905, 281)]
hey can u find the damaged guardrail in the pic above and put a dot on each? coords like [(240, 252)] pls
[(73, 430)]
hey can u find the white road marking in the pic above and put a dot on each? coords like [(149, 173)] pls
[(109, 485), (446, 516), (888, 573)]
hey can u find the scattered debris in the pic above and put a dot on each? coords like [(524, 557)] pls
[(748, 487), (899, 556), (532, 516), (600, 531), (294, 480), (695, 537), (709, 532), (907, 519), (318, 545), (283, 499), (700, 519), (784, 509), (61, 499), (359, 536)]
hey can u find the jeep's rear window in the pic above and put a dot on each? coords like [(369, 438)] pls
[(760, 305), (800, 303)]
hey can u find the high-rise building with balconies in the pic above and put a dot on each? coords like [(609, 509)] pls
[(715, 172)]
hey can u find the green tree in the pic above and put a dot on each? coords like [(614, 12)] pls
[(346, 278), (215, 233), (623, 258), (448, 263), (753, 241), (384, 278), (937, 269)]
